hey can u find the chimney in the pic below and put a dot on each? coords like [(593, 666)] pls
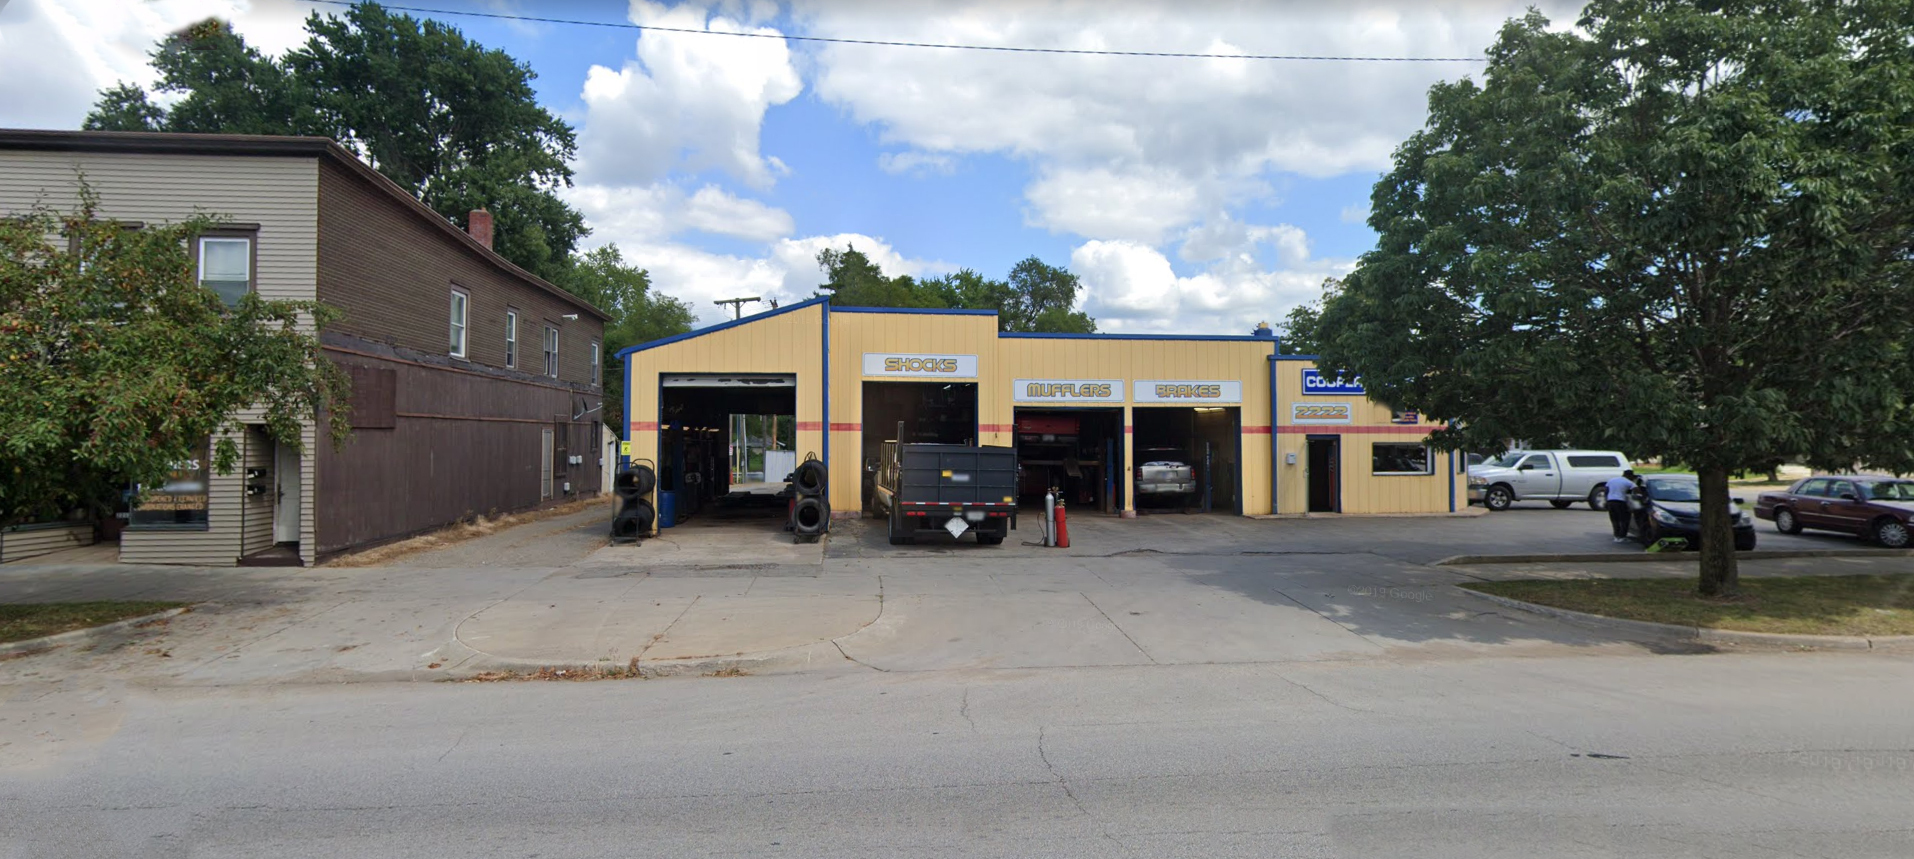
[(479, 224)]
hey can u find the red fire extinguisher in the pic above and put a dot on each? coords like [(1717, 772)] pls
[(1063, 529)]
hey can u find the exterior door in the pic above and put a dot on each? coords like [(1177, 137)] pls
[(1846, 514), (285, 509), (545, 453), (1810, 501), (1325, 474), (1536, 477)]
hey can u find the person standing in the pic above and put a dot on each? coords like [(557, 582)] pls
[(1618, 503)]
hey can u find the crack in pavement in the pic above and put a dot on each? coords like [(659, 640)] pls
[(455, 745), (964, 711), (667, 630), (1120, 630), (1070, 792)]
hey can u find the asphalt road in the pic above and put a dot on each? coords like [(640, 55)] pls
[(1678, 756)]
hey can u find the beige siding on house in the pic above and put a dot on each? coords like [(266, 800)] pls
[(280, 194), (30, 541)]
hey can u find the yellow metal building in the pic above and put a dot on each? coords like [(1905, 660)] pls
[(1267, 433)]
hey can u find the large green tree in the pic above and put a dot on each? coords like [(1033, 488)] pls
[(116, 363), (638, 314), (447, 119), (1037, 297), (1682, 230)]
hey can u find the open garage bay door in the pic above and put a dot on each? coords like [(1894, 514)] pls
[(931, 412), (1079, 451), (1205, 440), (720, 437)]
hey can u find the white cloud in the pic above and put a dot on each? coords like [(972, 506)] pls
[(914, 162), (1180, 137), (1131, 287), (686, 103), (1355, 213), (652, 213)]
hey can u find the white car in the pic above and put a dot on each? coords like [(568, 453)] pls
[(1560, 477)]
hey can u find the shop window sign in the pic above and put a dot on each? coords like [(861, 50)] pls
[(182, 501)]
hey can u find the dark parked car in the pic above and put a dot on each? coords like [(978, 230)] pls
[(1669, 505), (1879, 508)]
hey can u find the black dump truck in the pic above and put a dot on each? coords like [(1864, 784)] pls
[(953, 488)]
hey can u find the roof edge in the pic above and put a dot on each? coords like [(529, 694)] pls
[(712, 329), (1226, 338), (929, 311)]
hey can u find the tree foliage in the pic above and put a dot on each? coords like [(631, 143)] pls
[(115, 362), (1302, 327), (1682, 231), (1037, 297), (454, 123), (638, 315)]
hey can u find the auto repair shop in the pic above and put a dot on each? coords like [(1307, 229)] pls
[(1116, 422)]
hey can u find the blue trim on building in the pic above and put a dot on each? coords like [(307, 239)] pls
[(1275, 448), (1210, 337), (934, 311), (1452, 481), (826, 385), (1296, 357), (723, 325), (624, 427)]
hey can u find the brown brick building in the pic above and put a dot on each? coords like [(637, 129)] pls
[(476, 384)]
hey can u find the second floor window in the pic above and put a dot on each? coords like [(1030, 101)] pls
[(594, 363), (551, 351), (511, 339), (226, 266), (459, 302)]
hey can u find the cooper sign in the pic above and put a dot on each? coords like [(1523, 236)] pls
[(1315, 383), (1067, 391), (920, 366), (1198, 393)]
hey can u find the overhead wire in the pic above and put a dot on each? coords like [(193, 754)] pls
[(1014, 49)]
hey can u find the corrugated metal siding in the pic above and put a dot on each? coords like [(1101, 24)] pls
[(31, 541), (790, 342), (280, 194), (1362, 490)]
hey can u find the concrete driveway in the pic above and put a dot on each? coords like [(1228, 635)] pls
[(1159, 590)]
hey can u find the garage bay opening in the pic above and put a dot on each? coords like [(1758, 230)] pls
[(1079, 451), (725, 447), (931, 412), (1188, 458)]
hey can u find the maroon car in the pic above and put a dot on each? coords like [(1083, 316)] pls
[(1881, 508)]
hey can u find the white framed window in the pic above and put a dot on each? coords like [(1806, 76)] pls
[(551, 351), (595, 379), (460, 303), (226, 266), (511, 338), (1391, 457)]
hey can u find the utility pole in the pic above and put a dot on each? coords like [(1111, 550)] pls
[(737, 305)]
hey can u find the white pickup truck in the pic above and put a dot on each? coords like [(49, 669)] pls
[(1560, 477)]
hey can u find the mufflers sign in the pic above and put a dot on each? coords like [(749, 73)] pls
[(1192, 392), (1067, 391), (1314, 382), (920, 366)]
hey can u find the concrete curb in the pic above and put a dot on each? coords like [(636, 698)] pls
[(1640, 557), (462, 661), (1708, 635), (48, 642)]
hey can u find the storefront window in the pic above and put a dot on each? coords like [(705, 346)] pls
[(1388, 457), (181, 503)]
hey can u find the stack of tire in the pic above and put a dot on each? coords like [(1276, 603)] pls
[(635, 515), (810, 503)]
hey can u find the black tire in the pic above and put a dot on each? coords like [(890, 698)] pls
[(1890, 532), (1598, 498), (1650, 533), (634, 520), (1744, 540), (810, 517), (634, 482), (1498, 497), (810, 477), (1786, 522), (899, 536), (1561, 505)]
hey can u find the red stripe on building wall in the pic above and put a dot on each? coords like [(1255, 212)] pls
[(847, 427), (996, 427), (1341, 429), (1256, 430), (810, 426), (645, 426)]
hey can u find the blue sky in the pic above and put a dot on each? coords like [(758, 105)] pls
[(1191, 195)]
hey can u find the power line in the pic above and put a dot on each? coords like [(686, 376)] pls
[(651, 28)]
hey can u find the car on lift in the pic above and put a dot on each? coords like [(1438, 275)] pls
[(954, 488), (1669, 505), (1880, 508), (1165, 474)]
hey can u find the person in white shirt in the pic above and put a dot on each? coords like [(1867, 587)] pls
[(1618, 503)]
